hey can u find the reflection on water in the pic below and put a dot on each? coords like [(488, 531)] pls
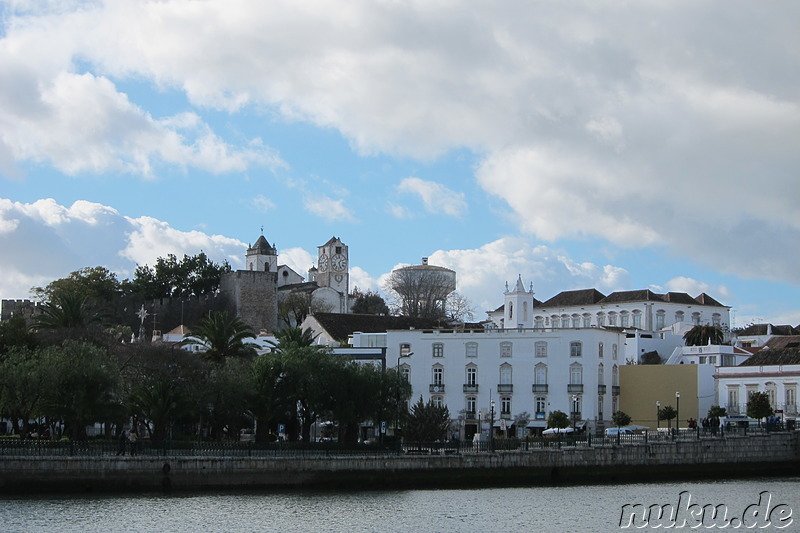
[(541, 509)]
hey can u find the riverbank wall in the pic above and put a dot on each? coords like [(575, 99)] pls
[(774, 454)]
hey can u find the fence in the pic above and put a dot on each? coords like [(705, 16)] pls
[(13, 446)]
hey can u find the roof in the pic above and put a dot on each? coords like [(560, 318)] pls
[(262, 246), (341, 325), (307, 286), (764, 329), (784, 341), (578, 297), (774, 356)]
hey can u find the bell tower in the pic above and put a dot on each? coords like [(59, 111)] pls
[(518, 310), (333, 266), (262, 257)]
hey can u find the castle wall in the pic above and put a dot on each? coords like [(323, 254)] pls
[(254, 297)]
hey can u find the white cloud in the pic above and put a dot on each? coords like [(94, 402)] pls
[(297, 259), (695, 287), (327, 208), (436, 197), (262, 203)]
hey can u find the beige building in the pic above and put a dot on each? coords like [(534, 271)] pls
[(641, 386)]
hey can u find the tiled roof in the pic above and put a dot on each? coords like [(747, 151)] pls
[(774, 356), (578, 297), (785, 341), (634, 296), (679, 298), (341, 325), (761, 329), (705, 299)]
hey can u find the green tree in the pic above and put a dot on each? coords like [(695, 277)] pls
[(69, 316), (703, 335), (621, 418), (368, 303), (758, 406), (191, 276), (269, 394), (161, 404), (717, 411), (223, 336), (14, 332), (651, 358), (557, 419), (97, 284), (289, 338), (25, 377), (308, 375), (667, 413), (296, 306), (427, 422)]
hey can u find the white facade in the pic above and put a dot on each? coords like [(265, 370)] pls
[(734, 386), (521, 370)]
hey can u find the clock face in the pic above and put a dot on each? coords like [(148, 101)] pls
[(323, 262), (338, 262)]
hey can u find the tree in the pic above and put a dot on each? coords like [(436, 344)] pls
[(296, 306), (269, 392), (293, 338), (557, 419), (97, 284), (427, 422), (667, 413), (15, 332), (368, 303), (25, 372), (651, 358), (621, 418), (161, 404), (68, 315), (717, 412), (223, 336), (459, 308), (758, 406), (703, 335), (421, 292), (191, 276)]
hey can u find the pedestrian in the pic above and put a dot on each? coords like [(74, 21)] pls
[(133, 438), (122, 442)]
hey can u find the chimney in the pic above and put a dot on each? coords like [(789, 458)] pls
[(424, 260)]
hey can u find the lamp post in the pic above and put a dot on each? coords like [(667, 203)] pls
[(658, 414), (574, 412), (397, 414), (677, 412), (491, 426)]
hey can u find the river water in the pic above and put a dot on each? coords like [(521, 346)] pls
[(594, 508)]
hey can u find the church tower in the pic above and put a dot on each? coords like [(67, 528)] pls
[(261, 257), (518, 311), (333, 266)]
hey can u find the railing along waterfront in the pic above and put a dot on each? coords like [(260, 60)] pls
[(12, 446)]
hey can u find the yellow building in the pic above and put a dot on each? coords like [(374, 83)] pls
[(641, 386)]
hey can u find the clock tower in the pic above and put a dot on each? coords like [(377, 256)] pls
[(333, 265)]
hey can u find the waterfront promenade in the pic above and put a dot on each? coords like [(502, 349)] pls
[(94, 466)]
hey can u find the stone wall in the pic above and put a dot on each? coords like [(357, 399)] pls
[(757, 455), (254, 297)]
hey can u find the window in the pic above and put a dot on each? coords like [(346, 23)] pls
[(575, 374), (679, 316), (438, 375), (575, 349), (405, 371), (505, 349), (600, 379), (601, 320), (660, 319), (637, 319), (471, 405), (600, 350), (587, 321), (576, 407), (695, 319), (624, 320), (614, 352), (612, 319), (505, 374), (438, 349), (541, 407), (564, 321), (472, 375), (615, 376), (599, 407), (556, 322), (405, 349), (541, 348), (472, 349), (576, 321), (510, 311), (538, 323), (716, 320), (733, 400), (791, 398), (540, 374), (437, 401), (505, 405)]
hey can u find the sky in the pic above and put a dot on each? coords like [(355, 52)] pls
[(608, 144)]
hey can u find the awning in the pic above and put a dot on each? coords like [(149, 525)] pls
[(499, 423)]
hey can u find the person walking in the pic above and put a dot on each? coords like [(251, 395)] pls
[(133, 438)]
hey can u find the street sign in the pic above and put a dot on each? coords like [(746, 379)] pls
[(383, 427)]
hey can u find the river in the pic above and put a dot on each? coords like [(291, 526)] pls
[(594, 508)]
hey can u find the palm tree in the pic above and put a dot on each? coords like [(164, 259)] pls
[(223, 336), (70, 313), (703, 335), (293, 338)]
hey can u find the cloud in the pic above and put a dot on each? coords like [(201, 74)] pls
[(297, 259), (68, 238), (694, 287), (327, 208), (435, 197), (262, 203)]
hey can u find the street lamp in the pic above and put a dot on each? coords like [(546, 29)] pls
[(574, 412), (491, 425), (658, 414), (397, 414), (677, 412)]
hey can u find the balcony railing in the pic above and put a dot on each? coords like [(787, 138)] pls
[(470, 415), (470, 388), (574, 387), (505, 387), (436, 387), (540, 387), (575, 415), (601, 389)]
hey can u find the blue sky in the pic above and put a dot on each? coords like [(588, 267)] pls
[(596, 144)]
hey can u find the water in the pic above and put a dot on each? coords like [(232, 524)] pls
[(539, 509)]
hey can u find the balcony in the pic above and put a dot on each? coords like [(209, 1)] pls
[(470, 415), (615, 390), (436, 387), (575, 388), (601, 389), (540, 387), (575, 415), (470, 388), (505, 387)]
